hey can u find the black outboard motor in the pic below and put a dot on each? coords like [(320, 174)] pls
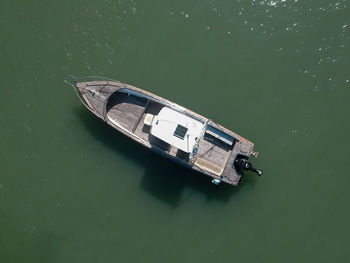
[(244, 164)]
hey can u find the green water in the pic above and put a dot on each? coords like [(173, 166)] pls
[(276, 72)]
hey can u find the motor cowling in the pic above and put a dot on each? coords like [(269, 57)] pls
[(244, 164)]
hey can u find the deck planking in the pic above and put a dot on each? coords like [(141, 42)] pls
[(227, 174), (212, 153), (126, 110)]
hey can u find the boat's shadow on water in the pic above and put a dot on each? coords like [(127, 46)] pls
[(163, 179)]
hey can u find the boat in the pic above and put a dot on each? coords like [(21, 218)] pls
[(167, 128)]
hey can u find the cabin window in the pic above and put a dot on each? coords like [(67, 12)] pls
[(180, 131)]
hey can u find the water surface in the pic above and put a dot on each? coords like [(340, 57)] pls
[(276, 72)]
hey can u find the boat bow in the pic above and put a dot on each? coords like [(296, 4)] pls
[(94, 94)]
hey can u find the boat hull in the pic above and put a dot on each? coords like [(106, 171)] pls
[(125, 108)]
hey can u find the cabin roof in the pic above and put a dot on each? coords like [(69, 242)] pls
[(177, 129)]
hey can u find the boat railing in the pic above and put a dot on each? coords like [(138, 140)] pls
[(196, 146), (71, 78)]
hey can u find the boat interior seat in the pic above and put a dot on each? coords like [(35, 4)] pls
[(148, 119), (208, 166)]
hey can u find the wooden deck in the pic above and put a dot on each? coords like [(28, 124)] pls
[(232, 178), (213, 151), (126, 110), (130, 112), (212, 155)]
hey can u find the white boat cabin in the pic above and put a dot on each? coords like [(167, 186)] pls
[(175, 128)]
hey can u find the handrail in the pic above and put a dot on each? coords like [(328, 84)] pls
[(196, 146), (71, 78)]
